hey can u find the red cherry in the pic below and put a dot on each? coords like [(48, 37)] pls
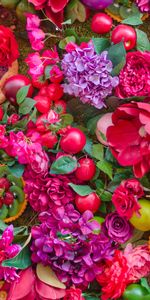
[(9, 198), (90, 202), (1, 113), (86, 170), (126, 34), (43, 104), (13, 84), (4, 183), (73, 141), (101, 23), (49, 140), (55, 91), (60, 106)]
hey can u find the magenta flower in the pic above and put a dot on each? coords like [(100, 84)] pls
[(3, 138), (33, 22), (35, 64), (36, 38), (143, 5), (7, 251)]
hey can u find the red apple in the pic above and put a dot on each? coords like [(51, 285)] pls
[(86, 169), (101, 23), (126, 34), (90, 202), (13, 84)]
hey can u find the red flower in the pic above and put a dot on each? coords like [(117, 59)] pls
[(125, 197), (134, 78), (114, 278), (9, 47), (73, 294), (129, 136), (54, 9)]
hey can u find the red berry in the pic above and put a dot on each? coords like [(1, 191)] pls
[(42, 123), (9, 198), (43, 104), (60, 106), (101, 23), (86, 170), (43, 91), (49, 140), (55, 91), (73, 141), (1, 113), (4, 183), (90, 202), (126, 34)]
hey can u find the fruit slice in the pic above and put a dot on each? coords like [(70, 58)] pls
[(15, 181), (3, 212), (14, 209), (18, 193)]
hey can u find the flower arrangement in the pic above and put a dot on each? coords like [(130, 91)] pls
[(86, 182)]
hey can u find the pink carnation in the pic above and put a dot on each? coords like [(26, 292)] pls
[(138, 260)]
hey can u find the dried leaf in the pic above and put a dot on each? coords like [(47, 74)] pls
[(46, 275)]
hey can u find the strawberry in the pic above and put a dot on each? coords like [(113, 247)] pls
[(39, 83)]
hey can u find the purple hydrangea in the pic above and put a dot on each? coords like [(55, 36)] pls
[(68, 242), (117, 228), (88, 75)]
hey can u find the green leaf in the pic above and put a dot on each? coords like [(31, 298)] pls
[(22, 93), (117, 53), (99, 184), (88, 146), (47, 71), (17, 230), (100, 44), (17, 170), (103, 208), (63, 165), (133, 20), (65, 41), (71, 32), (106, 196), (21, 261), (91, 124), (98, 151), (116, 70), (20, 125), (105, 167), (82, 190), (26, 106), (145, 284), (66, 119), (143, 43)]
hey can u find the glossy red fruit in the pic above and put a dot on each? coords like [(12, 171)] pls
[(86, 169), (49, 140), (126, 34), (42, 123), (73, 141), (90, 202), (55, 91), (1, 113), (43, 104), (13, 84), (101, 23), (60, 106), (4, 183), (9, 198), (37, 83)]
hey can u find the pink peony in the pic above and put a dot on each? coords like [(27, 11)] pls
[(129, 136), (134, 78), (138, 260), (48, 191), (33, 22), (125, 197)]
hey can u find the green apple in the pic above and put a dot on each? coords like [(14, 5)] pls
[(142, 222)]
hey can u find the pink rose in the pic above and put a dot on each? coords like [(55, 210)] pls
[(134, 78), (73, 294), (125, 197)]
